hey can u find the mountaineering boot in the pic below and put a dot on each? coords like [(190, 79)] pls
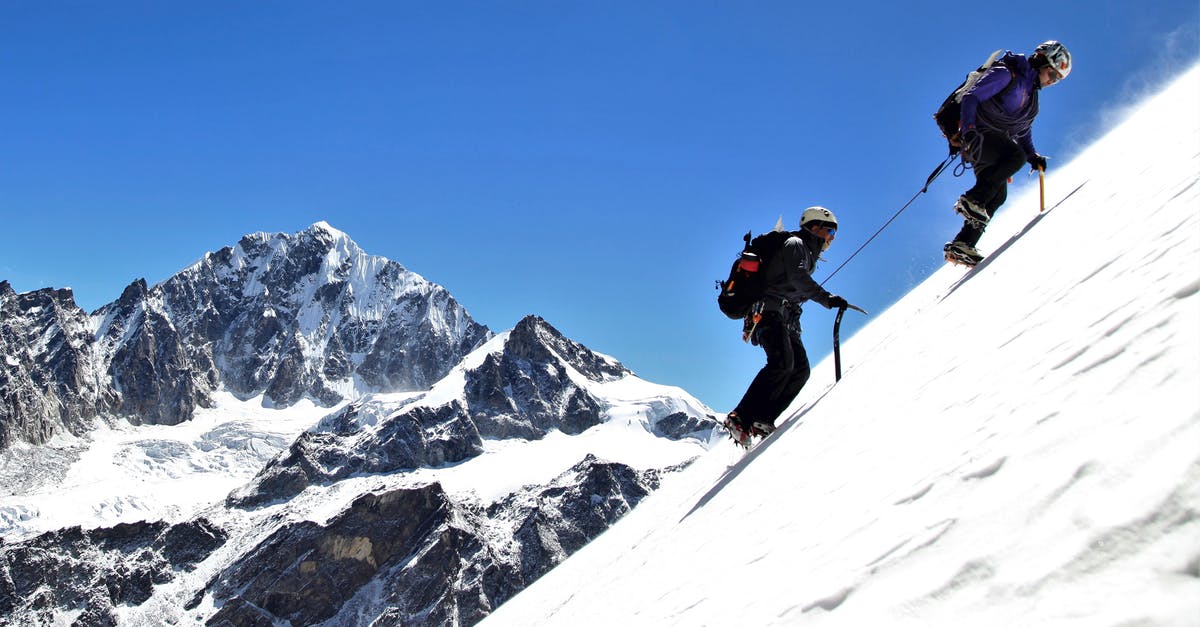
[(962, 253), (968, 209), (739, 433), (762, 429)]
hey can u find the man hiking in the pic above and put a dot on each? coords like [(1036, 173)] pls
[(996, 138), (776, 326)]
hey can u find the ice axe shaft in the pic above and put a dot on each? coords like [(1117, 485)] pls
[(1042, 189)]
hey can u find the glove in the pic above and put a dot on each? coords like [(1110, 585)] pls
[(955, 142), (836, 302), (970, 138), (1037, 162)]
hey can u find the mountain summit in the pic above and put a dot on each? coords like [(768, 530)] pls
[(287, 317)]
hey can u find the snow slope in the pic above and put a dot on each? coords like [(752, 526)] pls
[(1016, 446)]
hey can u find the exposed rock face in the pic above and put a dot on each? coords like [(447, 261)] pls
[(414, 556), (284, 316), (412, 439), (91, 572), (534, 385), (554, 522), (403, 556), (46, 367), (156, 376), (526, 390), (298, 315), (679, 425)]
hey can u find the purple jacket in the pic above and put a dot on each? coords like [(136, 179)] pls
[(1005, 100)]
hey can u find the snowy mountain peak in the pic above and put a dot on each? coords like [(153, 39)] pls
[(133, 293), (287, 317), (325, 228), (535, 339), (46, 297)]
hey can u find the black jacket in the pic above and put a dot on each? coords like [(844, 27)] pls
[(789, 275)]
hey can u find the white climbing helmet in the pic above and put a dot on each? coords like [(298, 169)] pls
[(818, 214), (1057, 57)]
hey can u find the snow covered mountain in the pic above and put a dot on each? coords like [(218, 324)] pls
[(428, 507), (524, 384), (284, 317), (1017, 445)]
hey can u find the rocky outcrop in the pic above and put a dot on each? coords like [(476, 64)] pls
[(527, 389), (418, 437), (415, 556), (88, 573), (537, 383), (47, 384), (555, 521)]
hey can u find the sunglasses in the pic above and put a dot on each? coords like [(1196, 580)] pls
[(825, 231)]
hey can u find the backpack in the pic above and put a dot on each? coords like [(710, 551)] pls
[(947, 116), (747, 278)]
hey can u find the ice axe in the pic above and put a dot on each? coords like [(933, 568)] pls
[(837, 348), (1042, 188)]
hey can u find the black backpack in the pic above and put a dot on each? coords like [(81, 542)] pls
[(747, 277), (947, 116)]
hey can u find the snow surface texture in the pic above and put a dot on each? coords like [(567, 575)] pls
[(1016, 446)]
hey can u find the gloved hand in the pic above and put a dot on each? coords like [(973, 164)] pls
[(836, 302), (970, 139), (1037, 162), (955, 142)]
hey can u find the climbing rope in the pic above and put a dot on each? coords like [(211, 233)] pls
[(936, 172)]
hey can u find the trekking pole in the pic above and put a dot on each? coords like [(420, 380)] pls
[(1042, 188), (837, 348), (936, 171)]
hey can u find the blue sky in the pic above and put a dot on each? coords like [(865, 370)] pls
[(594, 163)]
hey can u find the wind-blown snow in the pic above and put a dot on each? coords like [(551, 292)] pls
[(1016, 446)]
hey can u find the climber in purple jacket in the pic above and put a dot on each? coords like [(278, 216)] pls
[(996, 134)]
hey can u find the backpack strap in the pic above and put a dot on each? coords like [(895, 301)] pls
[(974, 77)]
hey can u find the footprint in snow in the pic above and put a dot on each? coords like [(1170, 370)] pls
[(830, 602), (986, 471), (914, 496)]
